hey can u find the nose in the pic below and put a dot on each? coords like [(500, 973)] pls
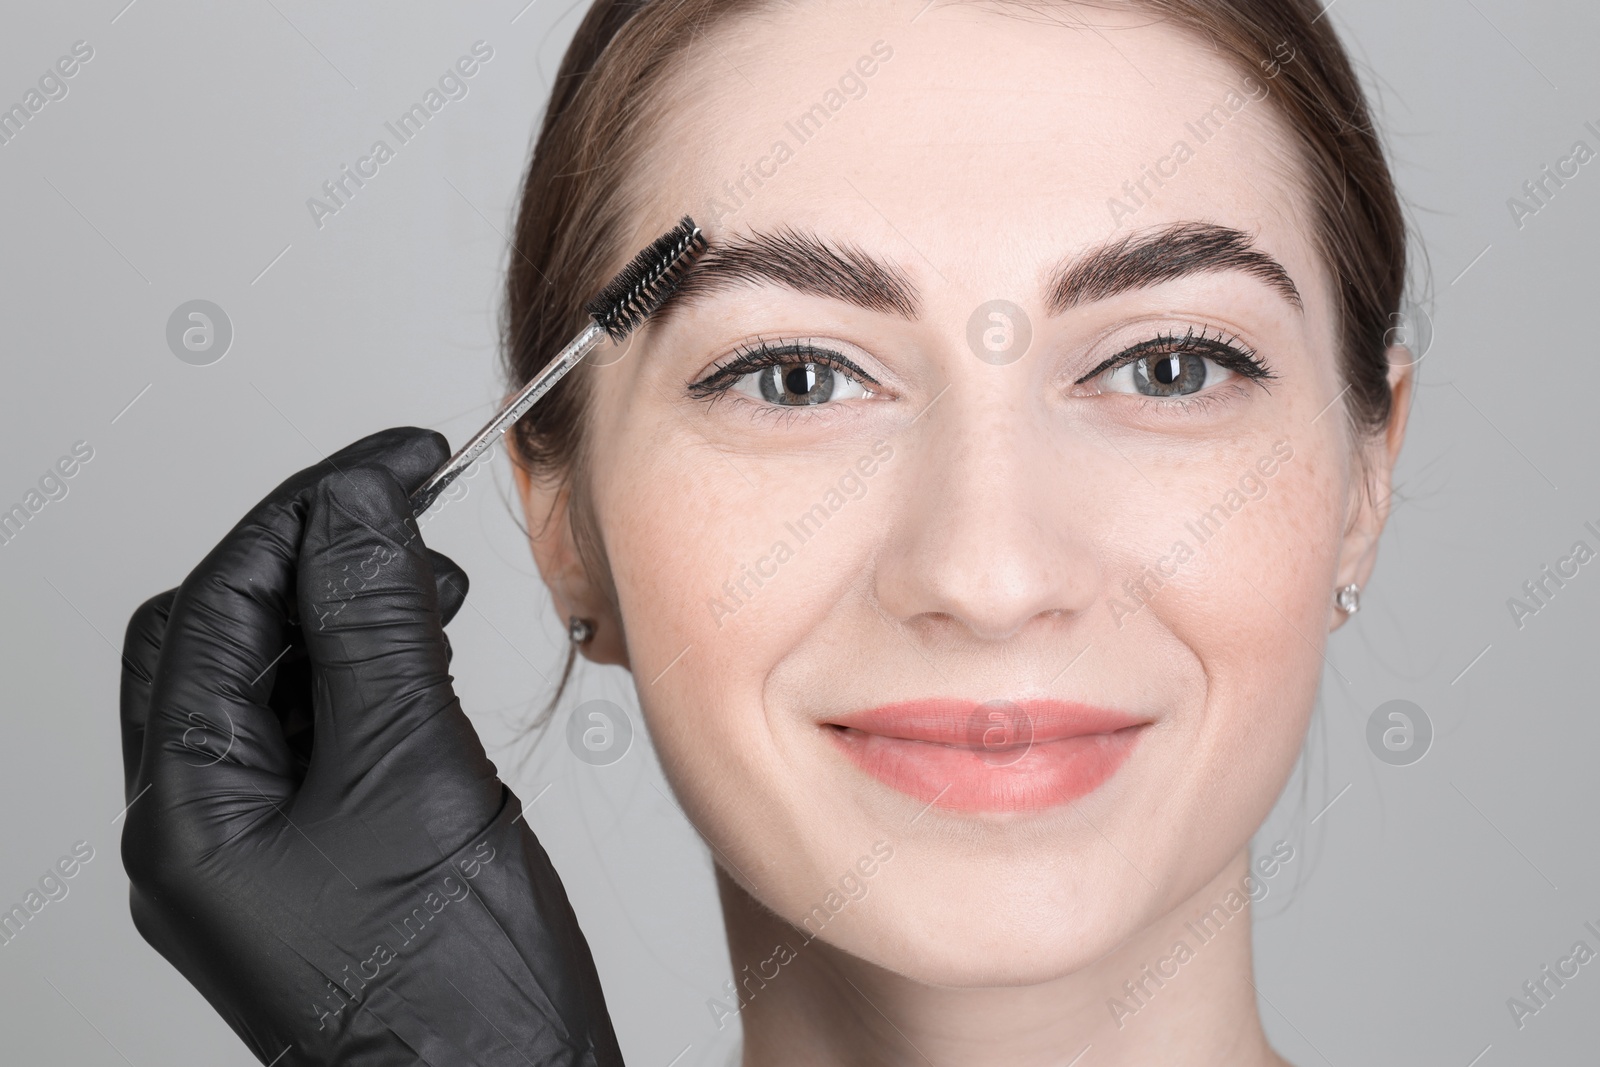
[(992, 531)]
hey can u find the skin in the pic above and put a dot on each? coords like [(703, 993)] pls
[(981, 560)]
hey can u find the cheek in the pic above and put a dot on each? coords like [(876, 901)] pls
[(1249, 612), (728, 555), (720, 572)]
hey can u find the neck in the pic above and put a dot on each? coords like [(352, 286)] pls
[(1179, 992)]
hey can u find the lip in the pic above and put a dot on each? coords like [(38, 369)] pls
[(989, 756)]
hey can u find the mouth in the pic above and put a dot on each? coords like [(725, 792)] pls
[(995, 756)]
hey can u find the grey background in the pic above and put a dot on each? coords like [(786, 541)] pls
[(177, 168)]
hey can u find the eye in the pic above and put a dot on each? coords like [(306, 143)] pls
[(799, 384), (795, 374), (1170, 366), (1166, 374)]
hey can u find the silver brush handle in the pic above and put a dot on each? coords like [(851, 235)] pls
[(515, 408)]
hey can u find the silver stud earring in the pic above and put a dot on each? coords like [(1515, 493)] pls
[(579, 631), (1348, 598)]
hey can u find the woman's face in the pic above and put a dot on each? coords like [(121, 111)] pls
[(987, 616)]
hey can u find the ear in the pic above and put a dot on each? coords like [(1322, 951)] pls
[(1370, 496), (547, 511)]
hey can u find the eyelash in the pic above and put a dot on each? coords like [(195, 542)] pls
[(1223, 350), (760, 354)]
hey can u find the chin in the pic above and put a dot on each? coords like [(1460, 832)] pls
[(995, 923)]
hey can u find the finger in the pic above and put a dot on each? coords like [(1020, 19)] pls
[(374, 632), (211, 730), (409, 453), (141, 646), (451, 583)]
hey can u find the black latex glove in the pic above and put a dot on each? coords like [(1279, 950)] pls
[(317, 840)]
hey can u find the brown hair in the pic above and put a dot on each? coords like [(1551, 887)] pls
[(574, 227)]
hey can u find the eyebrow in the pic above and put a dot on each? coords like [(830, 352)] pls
[(1149, 257), (803, 262), (807, 263)]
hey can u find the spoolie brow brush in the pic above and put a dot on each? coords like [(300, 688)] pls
[(620, 308)]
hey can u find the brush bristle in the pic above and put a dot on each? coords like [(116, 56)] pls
[(640, 287)]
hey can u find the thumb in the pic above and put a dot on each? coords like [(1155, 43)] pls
[(451, 582), (391, 737)]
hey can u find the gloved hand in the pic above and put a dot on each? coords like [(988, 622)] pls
[(317, 840)]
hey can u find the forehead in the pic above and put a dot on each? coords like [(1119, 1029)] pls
[(973, 145)]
